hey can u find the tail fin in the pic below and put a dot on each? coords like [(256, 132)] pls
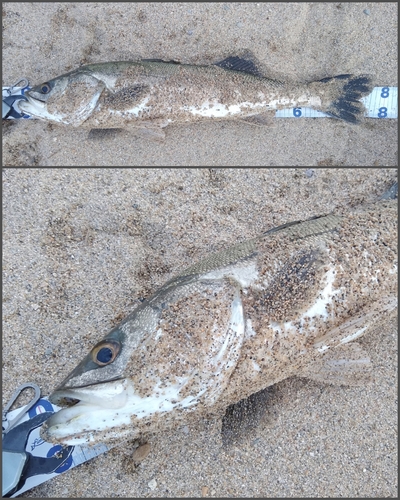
[(340, 96)]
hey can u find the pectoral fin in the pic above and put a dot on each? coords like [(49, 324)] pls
[(347, 364)]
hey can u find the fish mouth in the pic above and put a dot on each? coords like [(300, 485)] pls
[(33, 101), (85, 411), (110, 394)]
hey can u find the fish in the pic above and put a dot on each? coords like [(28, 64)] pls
[(289, 302), (149, 94)]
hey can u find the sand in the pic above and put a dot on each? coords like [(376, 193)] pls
[(291, 41), (82, 246)]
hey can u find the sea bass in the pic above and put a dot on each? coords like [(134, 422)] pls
[(288, 302), (150, 94)]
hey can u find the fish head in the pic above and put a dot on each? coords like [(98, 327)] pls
[(153, 369), (69, 99)]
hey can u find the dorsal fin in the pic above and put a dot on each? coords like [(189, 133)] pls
[(232, 63), (235, 63)]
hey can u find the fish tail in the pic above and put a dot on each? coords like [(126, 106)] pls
[(340, 96)]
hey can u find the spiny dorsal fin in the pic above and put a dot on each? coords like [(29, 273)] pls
[(232, 63), (235, 63)]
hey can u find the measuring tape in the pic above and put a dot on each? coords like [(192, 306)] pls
[(380, 103), (41, 449)]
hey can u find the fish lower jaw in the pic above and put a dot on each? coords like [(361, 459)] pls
[(87, 422), (80, 424)]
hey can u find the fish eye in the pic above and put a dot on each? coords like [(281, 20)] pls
[(45, 88), (105, 352)]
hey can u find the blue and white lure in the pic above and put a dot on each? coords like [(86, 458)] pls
[(11, 96)]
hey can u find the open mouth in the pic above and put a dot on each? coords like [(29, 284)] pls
[(63, 399), (29, 101), (103, 395), (34, 99), (85, 411)]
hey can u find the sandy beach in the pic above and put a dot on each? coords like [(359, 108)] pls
[(291, 41), (82, 246)]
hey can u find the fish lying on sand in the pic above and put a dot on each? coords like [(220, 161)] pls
[(150, 94), (288, 302)]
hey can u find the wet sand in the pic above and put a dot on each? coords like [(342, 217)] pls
[(291, 41), (82, 246)]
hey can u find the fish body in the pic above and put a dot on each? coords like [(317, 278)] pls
[(289, 302), (150, 94)]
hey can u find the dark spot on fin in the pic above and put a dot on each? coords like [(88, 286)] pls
[(235, 63)]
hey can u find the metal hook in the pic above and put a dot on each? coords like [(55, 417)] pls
[(23, 80), (18, 391)]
